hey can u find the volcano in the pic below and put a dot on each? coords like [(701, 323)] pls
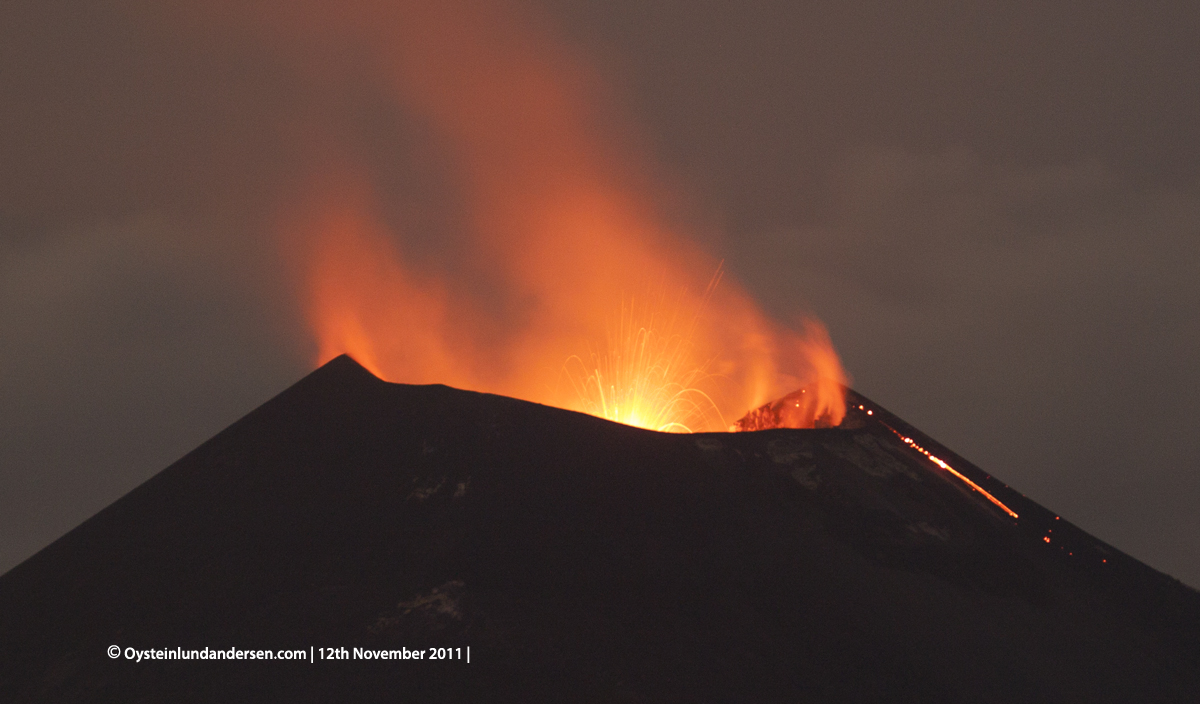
[(349, 520)]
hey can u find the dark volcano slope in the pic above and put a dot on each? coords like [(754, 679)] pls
[(583, 561)]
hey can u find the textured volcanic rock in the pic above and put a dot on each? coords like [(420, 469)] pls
[(582, 560), (795, 410)]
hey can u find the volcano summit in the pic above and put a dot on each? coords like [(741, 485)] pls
[(582, 560)]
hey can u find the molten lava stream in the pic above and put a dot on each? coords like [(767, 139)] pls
[(911, 443)]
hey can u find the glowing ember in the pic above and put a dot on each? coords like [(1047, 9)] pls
[(646, 376), (799, 409), (821, 404)]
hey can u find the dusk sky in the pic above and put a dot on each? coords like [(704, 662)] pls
[(994, 207)]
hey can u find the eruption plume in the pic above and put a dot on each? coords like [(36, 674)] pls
[(561, 220), (821, 402)]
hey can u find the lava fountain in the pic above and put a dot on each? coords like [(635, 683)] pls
[(560, 218), (647, 375)]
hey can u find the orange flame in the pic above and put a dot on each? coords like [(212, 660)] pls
[(820, 403), (362, 301), (826, 391), (562, 222)]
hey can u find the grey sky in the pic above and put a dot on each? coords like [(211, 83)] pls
[(995, 207)]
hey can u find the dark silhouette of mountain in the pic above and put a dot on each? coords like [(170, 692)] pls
[(583, 561)]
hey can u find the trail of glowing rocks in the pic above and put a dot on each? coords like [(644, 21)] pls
[(909, 441)]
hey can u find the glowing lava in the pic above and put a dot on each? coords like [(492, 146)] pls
[(546, 218), (911, 443), (647, 375)]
